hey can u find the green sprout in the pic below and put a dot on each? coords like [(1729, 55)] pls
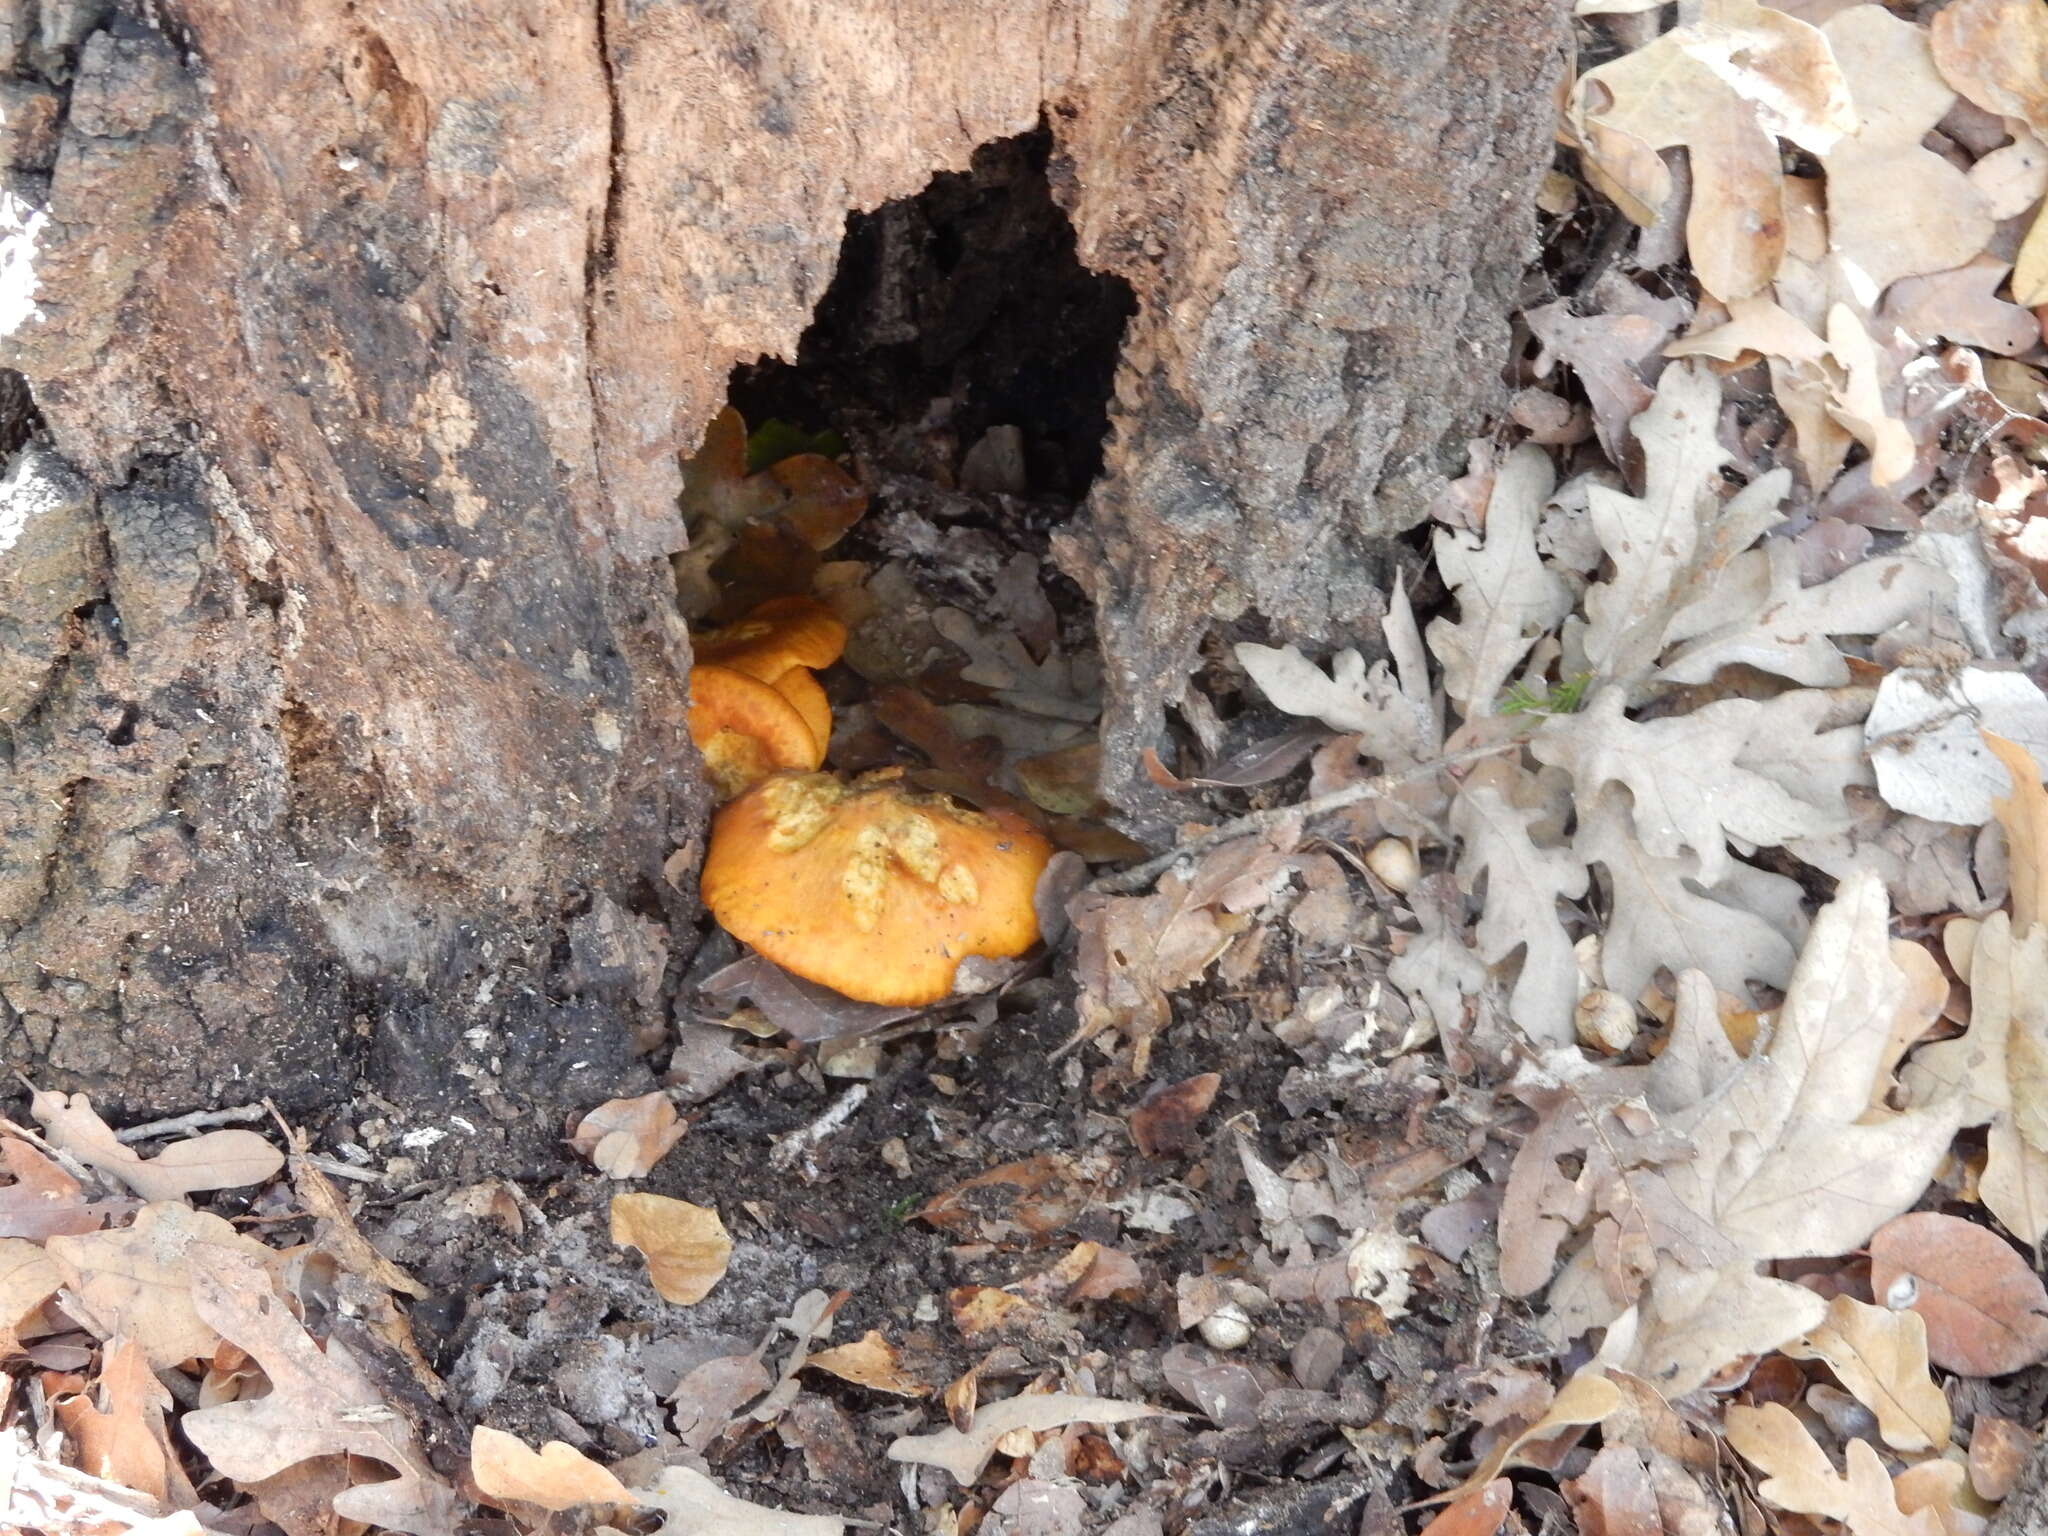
[(1564, 698), (899, 1211)]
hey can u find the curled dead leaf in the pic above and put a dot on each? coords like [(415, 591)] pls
[(870, 1361), (555, 1477), (625, 1138), (686, 1246)]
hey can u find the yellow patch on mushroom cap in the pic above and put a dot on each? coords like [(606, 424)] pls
[(746, 730), (870, 888)]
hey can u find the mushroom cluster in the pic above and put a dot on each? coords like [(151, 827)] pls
[(870, 887), (867, 886), (756, 706)]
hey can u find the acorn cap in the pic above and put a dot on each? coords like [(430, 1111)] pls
[(781, 633), (746, 730), (800, 686), (869, 887)]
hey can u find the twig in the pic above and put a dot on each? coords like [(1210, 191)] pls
[(197, 1120), (1124, 881), (800, 1143)]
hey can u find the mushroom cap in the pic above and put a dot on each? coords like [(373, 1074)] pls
[(870, 888), (781, 633), (800, 686), (746, 730)]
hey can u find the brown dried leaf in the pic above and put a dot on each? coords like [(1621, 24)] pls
[(1135, 950), (2024, 816), (44, 1200), (966, 1454), (1880, 1356), (1985, 1310), (1996, 53), (1479, 1513), (123, 1437), (2008, 1028), (321, 1402), (1895, 208), (555, 1477), (339, 1234), (28, 1278), (870, 1361), (137, 1282), (625, 1138), (1799, 1477), (1165, 1121), (685, 1245), (1587, 1398), (214, 1160), (693, 1505), (1999, 1450), (1726, 87)]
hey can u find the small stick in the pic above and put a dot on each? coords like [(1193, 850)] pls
[(800, 1143), (1124, 881), (197, 1120)]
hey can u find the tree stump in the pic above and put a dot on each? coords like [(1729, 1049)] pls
[(341, 681)]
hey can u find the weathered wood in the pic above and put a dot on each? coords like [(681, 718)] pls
[(340, 691)]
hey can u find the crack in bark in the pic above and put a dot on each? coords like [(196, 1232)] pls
[(603, 250)]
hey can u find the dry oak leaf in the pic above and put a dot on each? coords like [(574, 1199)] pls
[(1726, 87), (136, 1281), (555, 1477), (28, 1278), (1895, 209), (1655, 539), (1798, 1475), (123, 1437), (2008, 1027), (1507, 597), (1524, 884), (696, 1506), (215, 1160), (2024, 816), (1995, 52), (321, 1403), (870, 1361), (1659, 916), (44, 1200), (1880, 1356), (1689, 786), (965, 1455), (1861, 402), (1588, 1397), (1760, 614), (1776, 1155), (625, 1138), (1985, 1310), (686, 1246), (1135, 950), (1480, 1512)]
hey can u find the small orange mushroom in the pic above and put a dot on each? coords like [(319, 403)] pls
[(781, 633), (746, 730), (800, 686), (869, 887)]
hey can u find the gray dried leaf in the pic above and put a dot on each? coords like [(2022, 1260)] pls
[(1507, 597), (1524, 884)]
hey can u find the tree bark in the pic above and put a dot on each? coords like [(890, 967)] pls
[(341, 684)]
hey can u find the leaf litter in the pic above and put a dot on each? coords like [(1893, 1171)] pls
[(1591, 1021)]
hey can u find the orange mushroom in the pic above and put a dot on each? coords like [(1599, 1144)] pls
[(800, 686), (746, 730), (781, 633), (870, 888)]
